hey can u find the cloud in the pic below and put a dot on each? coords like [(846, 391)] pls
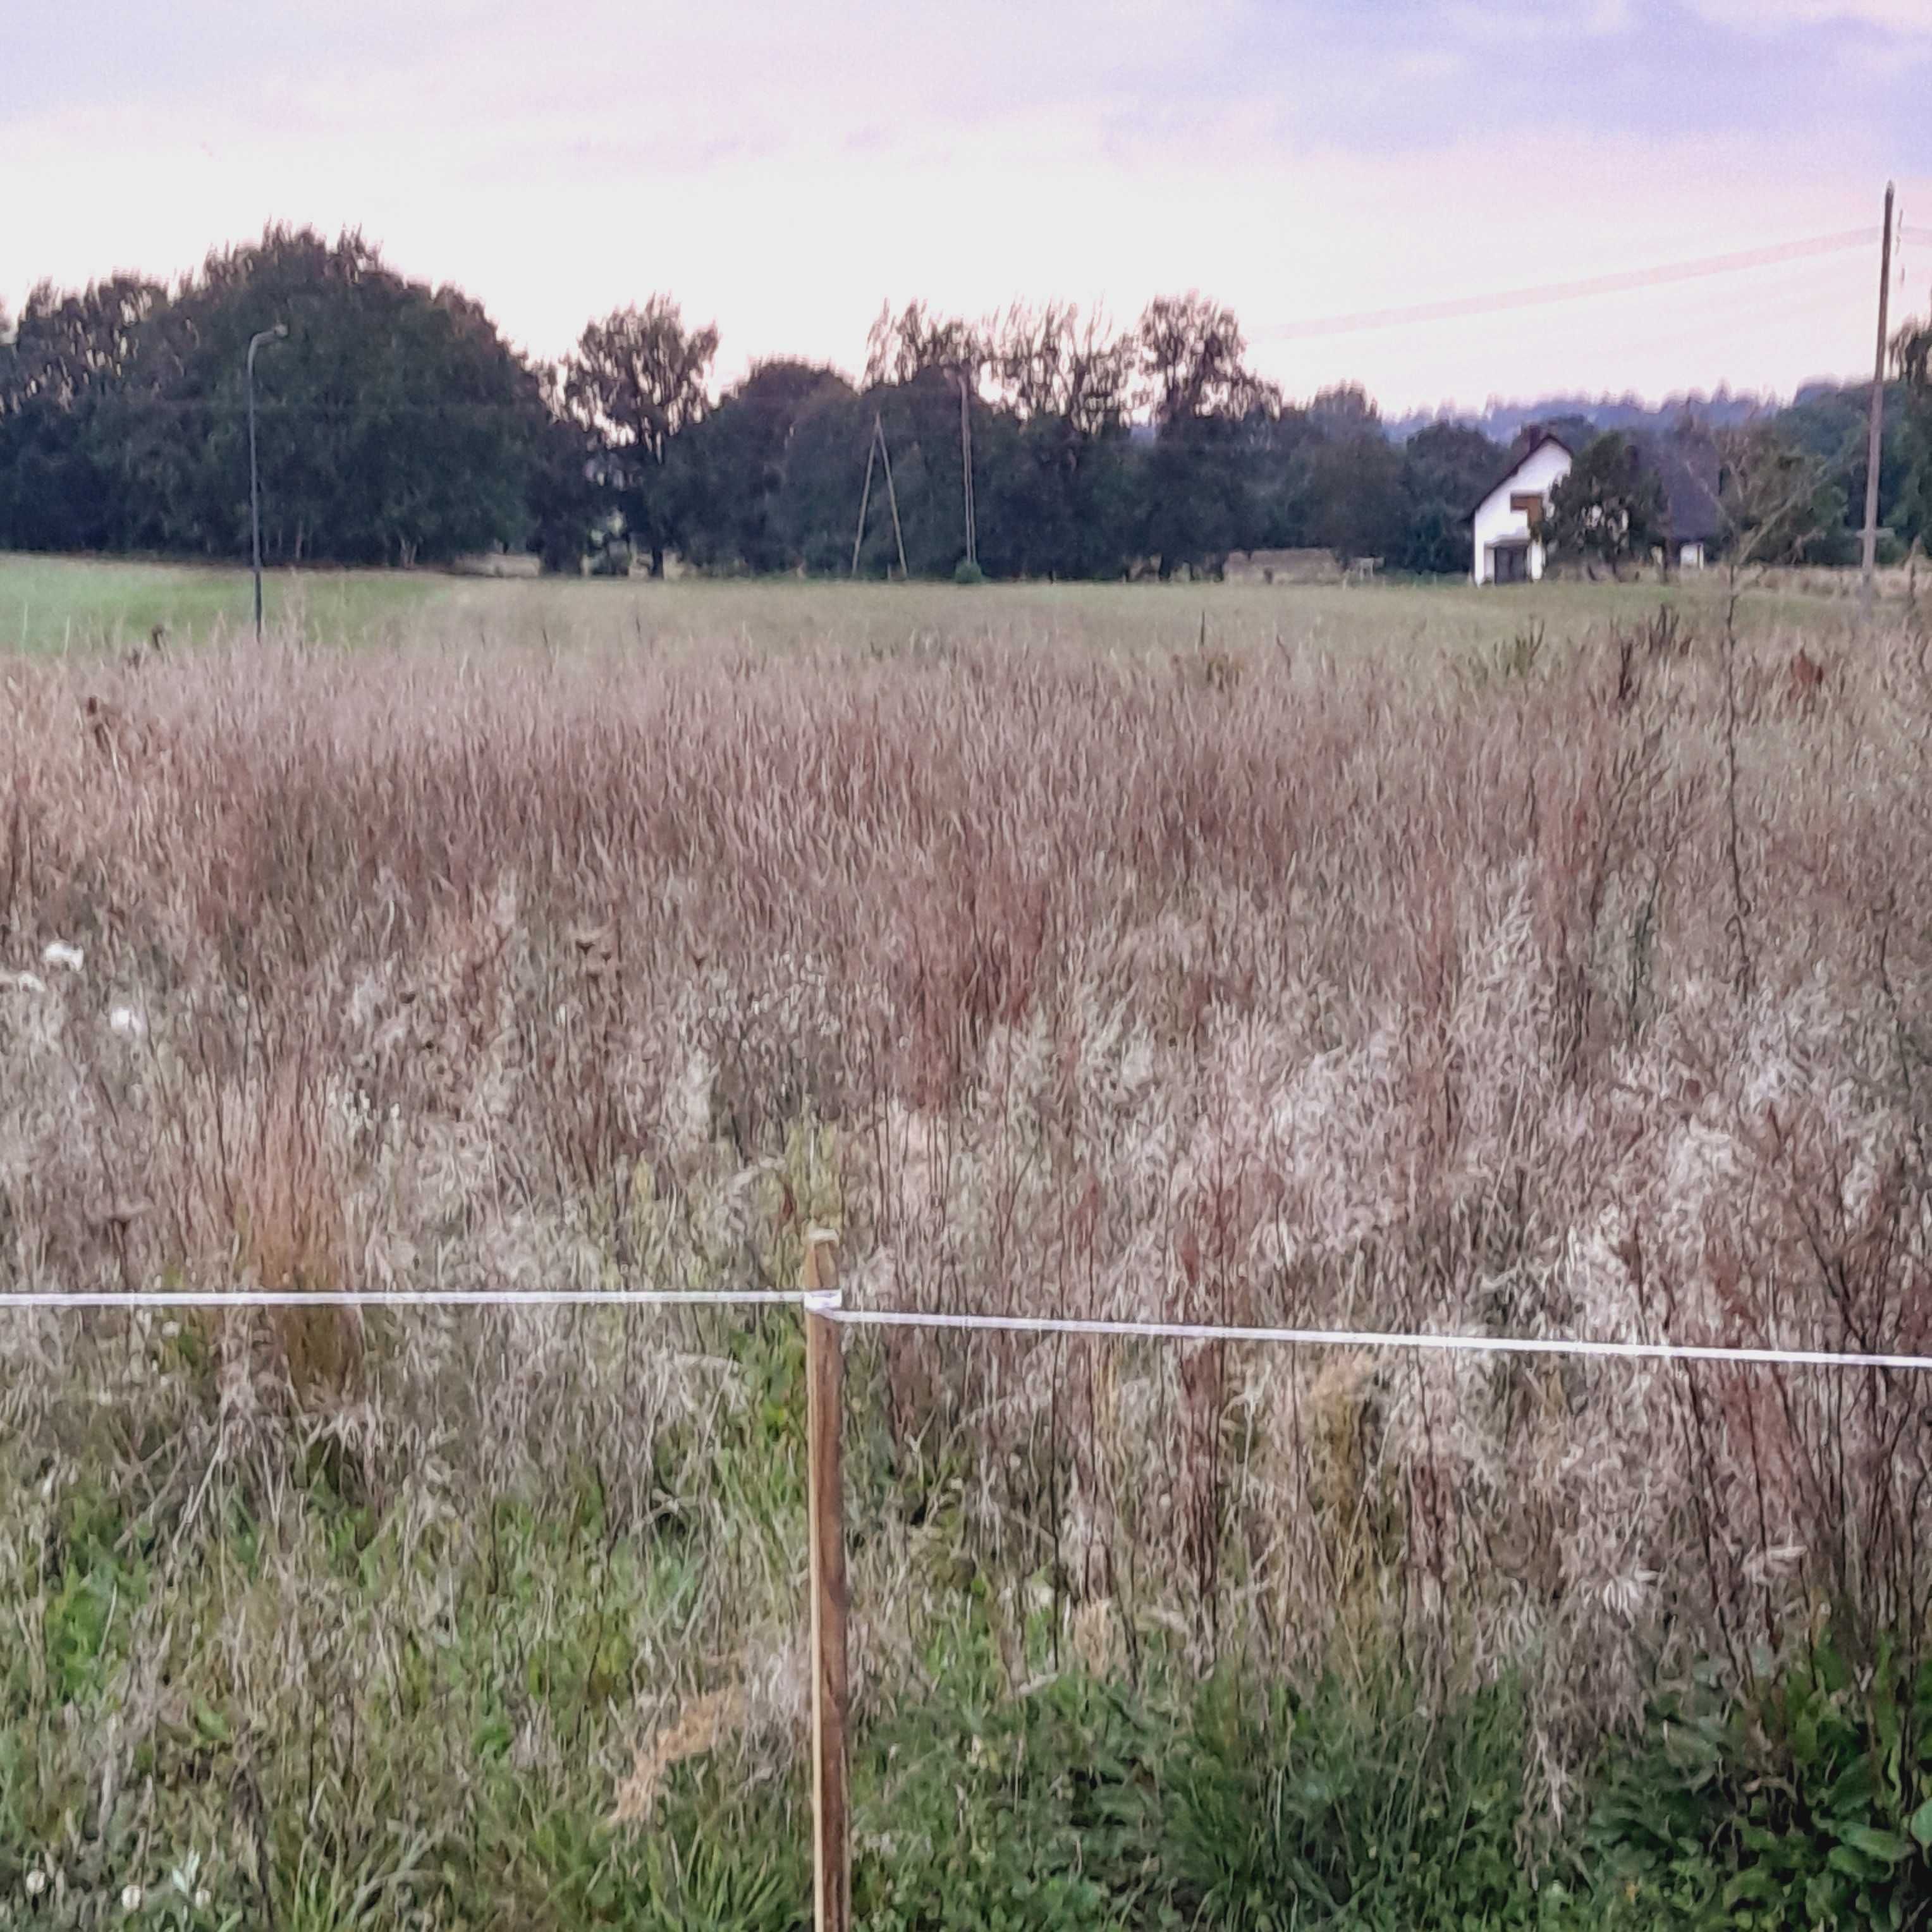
[(1913, 18), (1585, 20), (783, 170), (684, 75)]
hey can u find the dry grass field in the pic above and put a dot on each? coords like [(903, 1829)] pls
[(1401, 975)]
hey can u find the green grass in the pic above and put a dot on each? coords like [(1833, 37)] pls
[(52, 604), (56, 604), (451, 1764)]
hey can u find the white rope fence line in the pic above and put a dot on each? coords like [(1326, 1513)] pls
[(830, 1304), (373, 1297)]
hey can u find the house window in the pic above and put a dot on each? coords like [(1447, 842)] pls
[(1528, 503), (1510, 563)]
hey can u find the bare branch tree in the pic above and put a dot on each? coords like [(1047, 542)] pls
[(1054, 361), (1193, 361), (1778, 502), (899, 346)]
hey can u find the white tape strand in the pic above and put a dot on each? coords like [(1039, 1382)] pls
[(496, 1297), (829, 1303), (1371, 1338)]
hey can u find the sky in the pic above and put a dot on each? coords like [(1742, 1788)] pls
[(783, 171)]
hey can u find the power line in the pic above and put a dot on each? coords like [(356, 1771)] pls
[(1712, 319), (365, 412), (1806, 248), (109, 397), (1555, 291)]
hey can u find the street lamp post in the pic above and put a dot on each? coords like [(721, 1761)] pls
[(281, 329)]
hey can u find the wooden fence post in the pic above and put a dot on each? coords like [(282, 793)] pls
[(824, 1365)]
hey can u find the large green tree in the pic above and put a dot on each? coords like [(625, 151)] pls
[(637, 379), (395, 425), (1609, 510), (1195, 384), (1912, 516), (1780, 502), (740, 456), (1062, 507), (1355, 477), (820, 502), (66, 425), (1445, 467), (1832, 424)]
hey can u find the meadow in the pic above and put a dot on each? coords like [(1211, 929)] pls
[(66, 604), (58, 604), (1378, 958)]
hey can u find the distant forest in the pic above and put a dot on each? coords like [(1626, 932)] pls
[(1502, 421), (396, 426)]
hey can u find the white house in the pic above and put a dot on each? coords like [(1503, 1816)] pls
[(1504, 524)]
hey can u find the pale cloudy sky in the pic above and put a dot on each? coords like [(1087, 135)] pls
[(783, 170)]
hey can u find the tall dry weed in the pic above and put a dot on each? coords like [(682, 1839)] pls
[(1329, 993)]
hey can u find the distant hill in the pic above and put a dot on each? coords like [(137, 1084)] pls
[(1501, 421)]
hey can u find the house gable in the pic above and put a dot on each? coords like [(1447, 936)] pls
[(1505, 526), (1522, 460)]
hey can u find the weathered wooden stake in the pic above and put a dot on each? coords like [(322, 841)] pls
[(824, 1365), (1875, 428)]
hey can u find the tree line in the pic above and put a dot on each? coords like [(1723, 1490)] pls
[(396, 426)]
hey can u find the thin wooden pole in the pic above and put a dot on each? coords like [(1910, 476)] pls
[(866, 496), (892, 495), (831, 1692), (1875, 446), (966, 470)]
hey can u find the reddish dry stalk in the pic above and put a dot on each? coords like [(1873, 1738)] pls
[(1376, 993)]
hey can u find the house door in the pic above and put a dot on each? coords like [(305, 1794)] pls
[(1511, 563)]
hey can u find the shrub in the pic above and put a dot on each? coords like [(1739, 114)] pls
[(1805, 1800)]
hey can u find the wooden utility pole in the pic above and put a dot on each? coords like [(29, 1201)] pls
[(1876, 446), (831, 1690), (865, 495), (892, 495), (966, 468), (876, 450)]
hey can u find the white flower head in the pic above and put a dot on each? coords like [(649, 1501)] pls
[(130, 1898), (126, 1021), (201, 1898), (185, 1878), (37, 1882), (58, 952)]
